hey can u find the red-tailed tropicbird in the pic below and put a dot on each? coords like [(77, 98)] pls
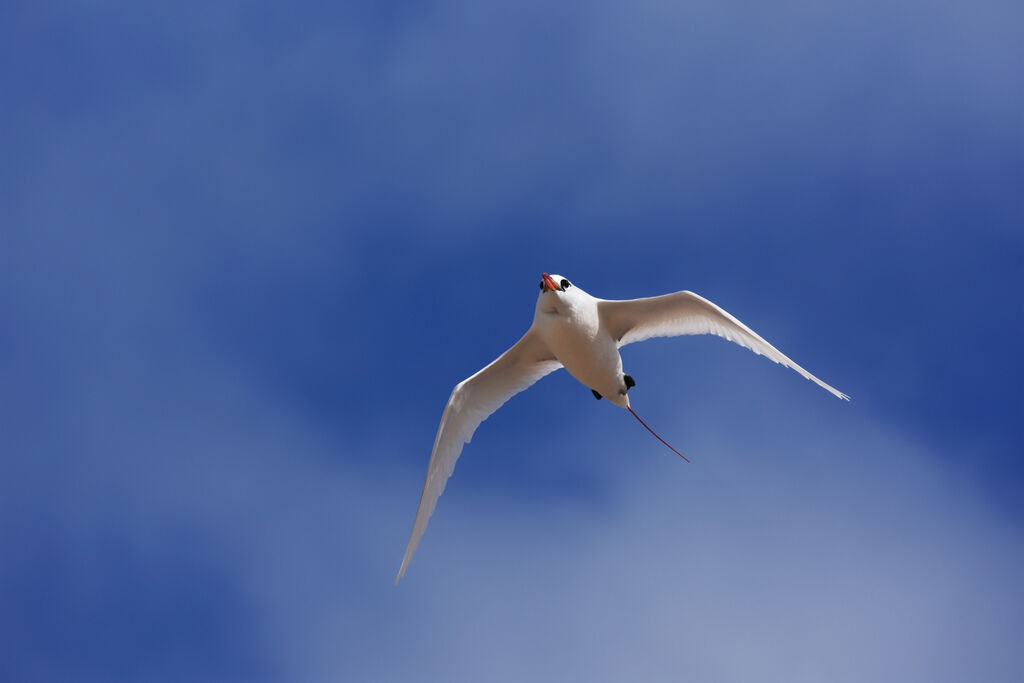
[(583, 334)]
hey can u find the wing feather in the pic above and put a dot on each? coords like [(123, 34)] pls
[(682, 313), (472, 401)]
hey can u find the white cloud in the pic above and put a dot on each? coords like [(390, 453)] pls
[(844, 552)]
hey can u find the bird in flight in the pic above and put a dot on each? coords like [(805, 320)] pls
[(583, 334)]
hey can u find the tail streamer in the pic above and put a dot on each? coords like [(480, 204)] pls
[(656, 435)]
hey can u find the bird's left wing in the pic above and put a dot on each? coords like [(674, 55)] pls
[(681, 313), (472, 401)]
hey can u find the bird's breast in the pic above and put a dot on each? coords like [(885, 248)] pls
[(587, 354)]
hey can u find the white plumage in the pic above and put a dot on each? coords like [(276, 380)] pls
[(582, 333)]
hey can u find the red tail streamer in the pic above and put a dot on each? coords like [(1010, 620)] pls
[(658, 437)]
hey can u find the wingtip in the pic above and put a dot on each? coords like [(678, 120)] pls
[(828, 387), (835, 392), (401, 571)]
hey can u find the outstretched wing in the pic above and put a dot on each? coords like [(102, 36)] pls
[(681, 313), (472, 401)]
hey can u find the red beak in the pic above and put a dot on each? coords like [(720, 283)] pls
[(549, 284)]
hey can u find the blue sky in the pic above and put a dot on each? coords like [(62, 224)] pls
[(249, 247)]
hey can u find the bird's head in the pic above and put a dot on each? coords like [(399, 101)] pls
[(557, 294), (553, 283)]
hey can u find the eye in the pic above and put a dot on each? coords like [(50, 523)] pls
[(542, 285), (565, 284)]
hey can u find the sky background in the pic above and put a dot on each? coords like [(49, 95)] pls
[(248, 248)]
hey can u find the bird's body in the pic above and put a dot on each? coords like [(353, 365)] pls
[(583, 334), (571, 328)]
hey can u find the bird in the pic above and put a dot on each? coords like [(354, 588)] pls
[(583, 334)]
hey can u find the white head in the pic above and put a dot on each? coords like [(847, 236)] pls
[(557, 294)]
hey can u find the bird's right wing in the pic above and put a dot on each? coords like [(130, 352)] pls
[(681, 313), (472, 401)]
